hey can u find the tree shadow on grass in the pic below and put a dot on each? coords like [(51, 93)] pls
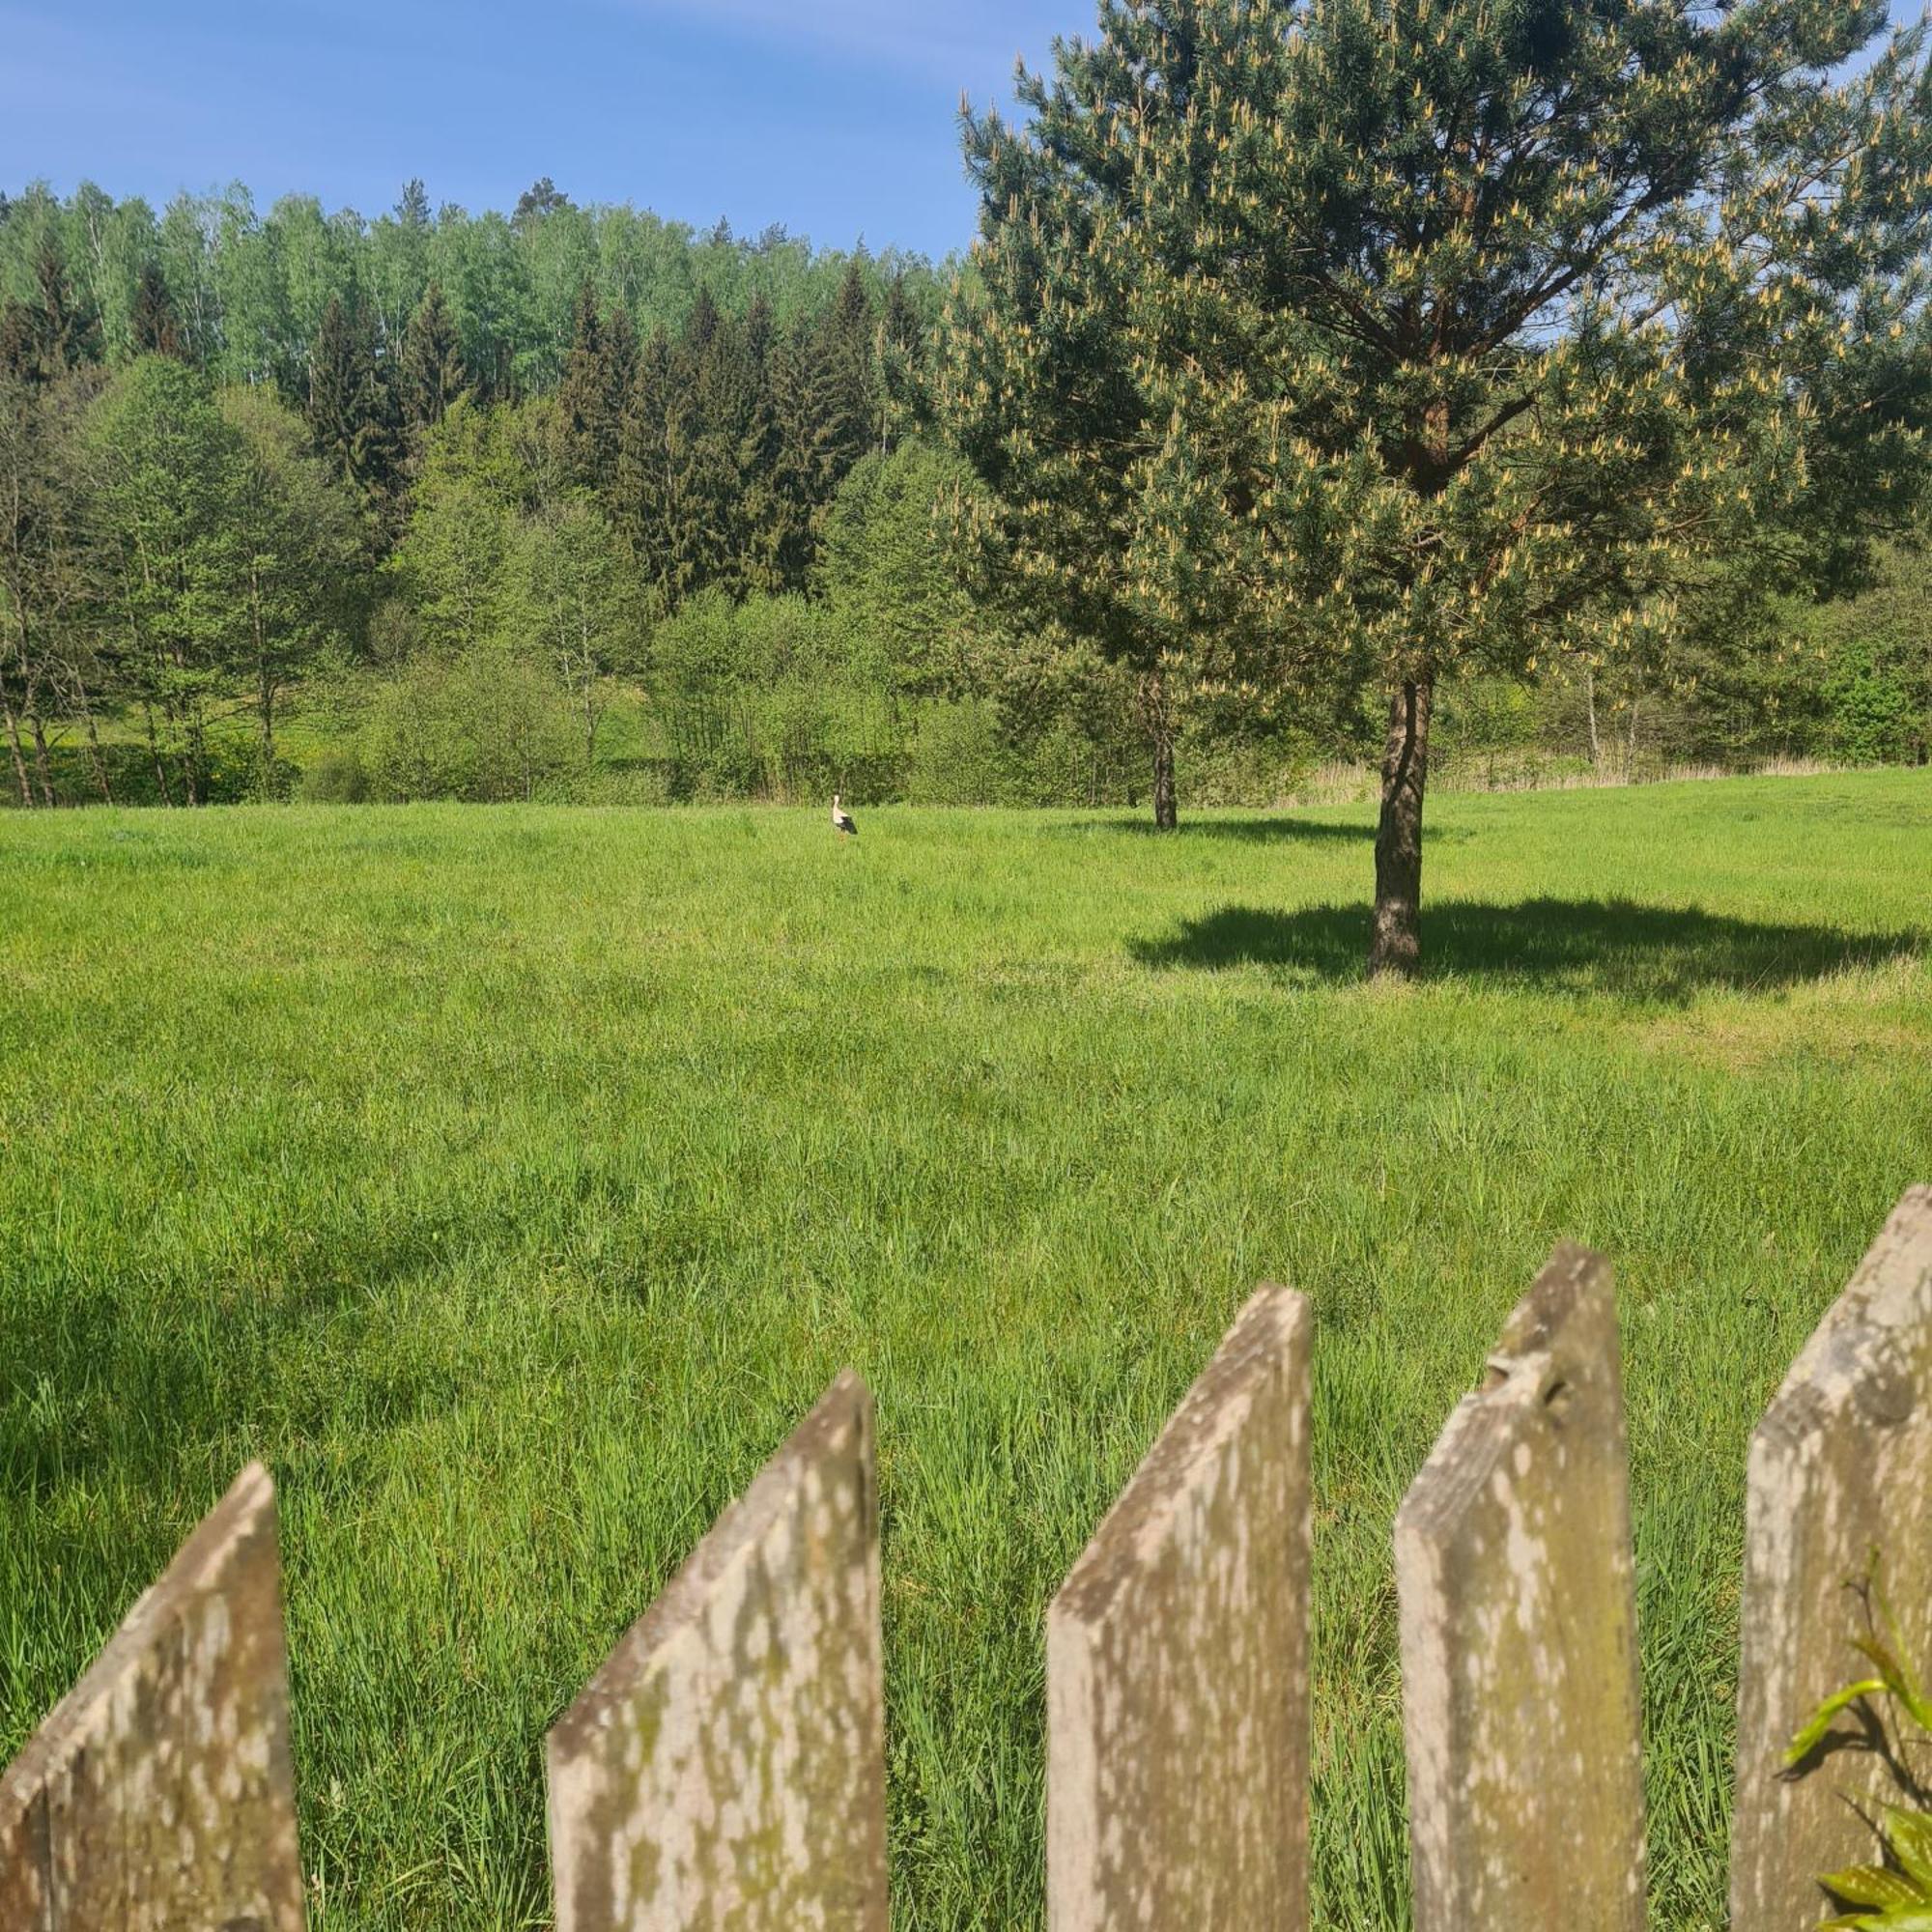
[(1601, 945), (1269, 831)]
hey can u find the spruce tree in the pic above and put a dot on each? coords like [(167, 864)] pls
[(653, 501), (153, 327), (430, 373), (351, 411), (727, 385), (846, 347), (812, 447), (762, 513), (597, 376), (1317, 338), (53, 333)]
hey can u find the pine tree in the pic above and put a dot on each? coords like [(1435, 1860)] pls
[(542, 197), (153, 327), (430, 373), (350, 413), (1317, 338)]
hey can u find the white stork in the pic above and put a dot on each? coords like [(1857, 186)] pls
[(841, 820)]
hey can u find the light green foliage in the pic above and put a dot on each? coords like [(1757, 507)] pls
[(1895, 1896), (220, 549), (483, 723), (770, 696), (1876, 655), (453, 560), (163, 475), (577, 604), (887, 564), (518, 592), (253, 286), (298, 550), (514, 1179)]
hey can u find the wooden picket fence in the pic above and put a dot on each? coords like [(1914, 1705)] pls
[(727, 1767)]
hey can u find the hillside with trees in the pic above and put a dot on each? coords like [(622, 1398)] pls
[(579, 503)]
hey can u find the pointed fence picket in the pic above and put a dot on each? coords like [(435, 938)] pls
[(727, 1767), (1519, 1633)]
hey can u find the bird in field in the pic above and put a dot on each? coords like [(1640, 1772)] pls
[(841, 820)]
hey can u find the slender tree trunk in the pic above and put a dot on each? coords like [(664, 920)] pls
[(194, 761), (155, 753), (1157, 715), (1630, 748), (1396, 950), (265, 701), (265, 681), (1590, 696), (43, 764), (14, 748), (95, 754), (30, 707)]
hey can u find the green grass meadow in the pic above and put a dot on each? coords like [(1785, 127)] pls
[(511, 1180)]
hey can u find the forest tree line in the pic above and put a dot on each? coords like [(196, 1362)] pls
[(579, 503)]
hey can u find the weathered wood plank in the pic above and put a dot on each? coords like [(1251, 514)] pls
[(1177, 1663), (159, 1793), (1518, 1634), (727, 1767), (1840, 1469)]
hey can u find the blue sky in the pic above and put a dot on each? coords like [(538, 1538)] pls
[(835, 117)]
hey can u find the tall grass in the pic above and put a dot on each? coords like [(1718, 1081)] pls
[(512, 1179)]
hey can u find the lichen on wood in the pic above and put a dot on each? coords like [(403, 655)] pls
[(727, 1767), (160, 1795), (1177, 1663), (1518, 1634), (1840, 1474)]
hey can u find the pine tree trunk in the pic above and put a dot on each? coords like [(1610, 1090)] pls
[(1396, 950), (1166, 812), (1157, 714)]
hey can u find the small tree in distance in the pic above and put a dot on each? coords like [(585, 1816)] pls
[(1321, 339)]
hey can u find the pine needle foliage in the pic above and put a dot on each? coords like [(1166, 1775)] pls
[(1318, 339)]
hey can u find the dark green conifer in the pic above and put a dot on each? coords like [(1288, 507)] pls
[(430, 373), (352, 413), (153, 327)]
